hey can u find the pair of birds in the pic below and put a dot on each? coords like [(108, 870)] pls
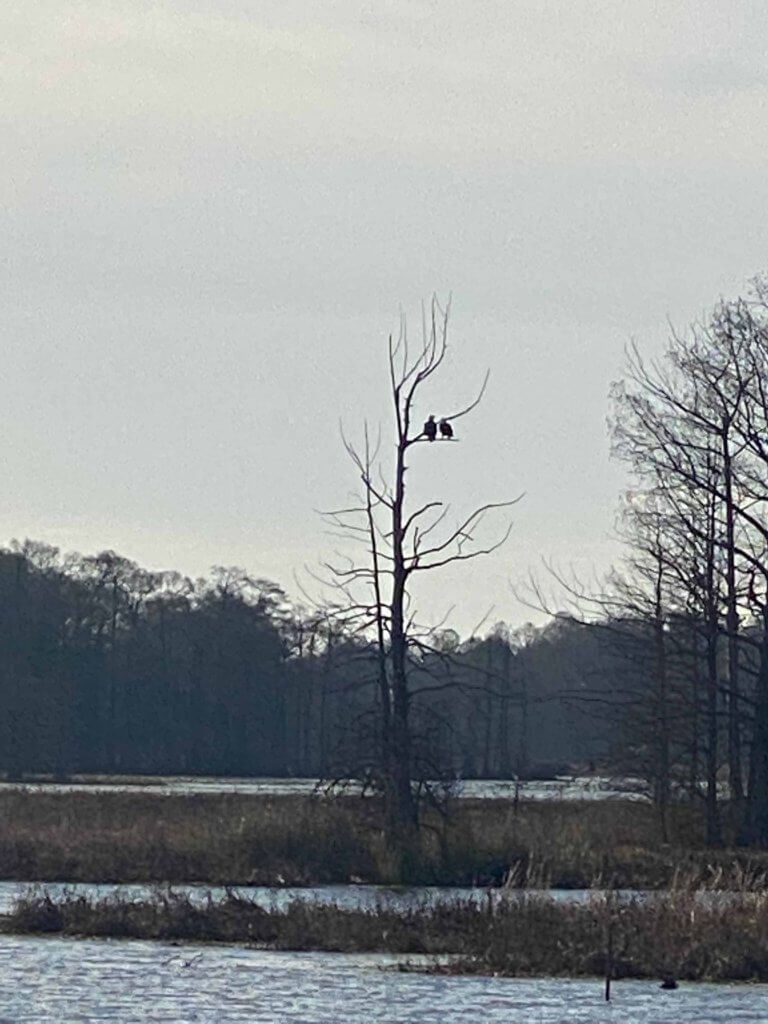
[(430, 429)]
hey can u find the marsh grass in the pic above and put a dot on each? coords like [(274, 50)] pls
[(685, 933), (240, 839), (221, 839)]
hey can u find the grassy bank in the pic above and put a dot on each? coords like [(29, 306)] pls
[(676, 934), (299, 840)]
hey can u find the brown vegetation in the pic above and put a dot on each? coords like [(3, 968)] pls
[(297, 840), (682, 933)]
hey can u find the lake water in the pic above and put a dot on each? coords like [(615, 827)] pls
[(587, 787), (52, 981), (349, 897)]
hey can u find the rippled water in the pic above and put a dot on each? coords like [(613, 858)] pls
[(66, 981), (347, 897), (564, 788), (352, 897)]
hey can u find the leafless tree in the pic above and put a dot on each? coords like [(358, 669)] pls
[(395, 544), (698, 422)]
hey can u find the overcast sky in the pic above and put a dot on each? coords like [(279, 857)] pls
[(213, 211)]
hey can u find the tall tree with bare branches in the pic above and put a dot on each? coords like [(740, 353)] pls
[(373, 591), (698, 421)]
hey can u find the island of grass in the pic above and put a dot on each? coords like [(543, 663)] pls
[(243, 839)]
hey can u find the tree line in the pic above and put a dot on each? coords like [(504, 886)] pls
[(108, 667)]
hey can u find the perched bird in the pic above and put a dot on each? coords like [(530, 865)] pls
[(446, 430), (430, 429)]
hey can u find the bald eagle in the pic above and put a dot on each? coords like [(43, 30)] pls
[(446, 430), (430, 429)]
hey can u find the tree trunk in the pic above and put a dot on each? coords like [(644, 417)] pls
[(732, 626), (712, 624), (487, 731), (661, 714), (401, 807), (523, 748), (695, 742), (756, 825), (505, 765), (714, 835)]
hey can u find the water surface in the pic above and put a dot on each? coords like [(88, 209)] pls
[(348, 897), (51, 981), (588, 787)]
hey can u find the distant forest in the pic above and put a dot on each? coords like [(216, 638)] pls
[(108, 667)]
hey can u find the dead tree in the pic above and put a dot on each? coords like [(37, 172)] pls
[(396, 544)]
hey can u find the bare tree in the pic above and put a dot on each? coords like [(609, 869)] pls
[(698, 420), (396, 544)]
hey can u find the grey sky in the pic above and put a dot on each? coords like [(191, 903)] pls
[(212, 212)]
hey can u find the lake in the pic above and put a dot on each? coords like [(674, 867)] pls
[(348, 897), (587, 787), (53, 980)]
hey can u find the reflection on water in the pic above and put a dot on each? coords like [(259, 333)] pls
[(50, 981), (588, 787)]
